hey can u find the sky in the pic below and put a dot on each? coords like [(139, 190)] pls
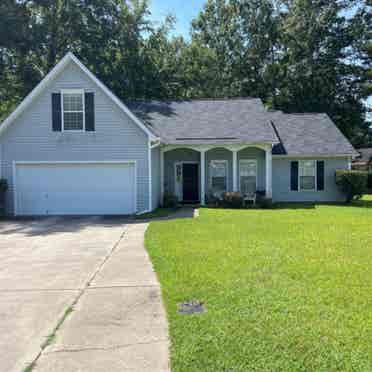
[(184, 10)]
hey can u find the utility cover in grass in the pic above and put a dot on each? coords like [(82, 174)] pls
[(191, 307)]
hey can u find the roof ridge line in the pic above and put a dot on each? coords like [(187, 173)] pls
[(192, 99)]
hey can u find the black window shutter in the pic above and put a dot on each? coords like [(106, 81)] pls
[(294, 175), (56, 112), (89, 112), (320, 175)]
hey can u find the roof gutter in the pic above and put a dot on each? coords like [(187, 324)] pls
[(353, 156)]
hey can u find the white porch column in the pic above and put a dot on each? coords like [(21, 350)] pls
[(202, 177), (161, 176), (269, 163), (235, 170)]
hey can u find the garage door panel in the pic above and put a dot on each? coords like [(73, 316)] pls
[(93, 203), (75, 188)]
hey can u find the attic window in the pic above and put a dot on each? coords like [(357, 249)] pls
[(73, 115)]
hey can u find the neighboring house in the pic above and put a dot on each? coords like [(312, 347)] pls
[(364, 160), (72, 147)]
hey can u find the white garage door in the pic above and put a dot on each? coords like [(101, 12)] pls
[(75, 188)]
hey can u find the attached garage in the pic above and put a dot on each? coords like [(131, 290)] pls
[(75, 188)]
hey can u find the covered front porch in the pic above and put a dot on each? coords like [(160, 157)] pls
[(194, 172)]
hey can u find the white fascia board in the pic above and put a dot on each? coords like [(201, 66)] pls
[(313, 156), (113, 97)]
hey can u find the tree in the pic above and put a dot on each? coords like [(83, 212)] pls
[(297, 55), (321, 67), (216, 28)]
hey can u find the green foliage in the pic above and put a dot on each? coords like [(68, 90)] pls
[(286, 289), (169, 200), (352, 182), (296, 55), (369, 183), (3, 185), (264, 202)]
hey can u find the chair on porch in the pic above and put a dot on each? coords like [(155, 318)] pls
[(248, 190), (250, 197)]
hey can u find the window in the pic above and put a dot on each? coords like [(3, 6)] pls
[(218, 176), (248, 176), (307, 175), (73, 115)]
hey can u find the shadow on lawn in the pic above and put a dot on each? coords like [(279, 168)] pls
[(359, 204), (306, 205), (354, 204)]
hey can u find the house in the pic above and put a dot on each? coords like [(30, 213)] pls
[(364, 160), (72, 147)]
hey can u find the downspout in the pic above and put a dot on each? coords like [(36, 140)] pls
[(150, 174)]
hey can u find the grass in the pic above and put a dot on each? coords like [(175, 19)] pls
[(157, 213), (287, 289), (50, 338)]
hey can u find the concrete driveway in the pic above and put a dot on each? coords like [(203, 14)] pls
[(97, 267)]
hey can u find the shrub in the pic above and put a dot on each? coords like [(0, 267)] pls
[(370, 180), (265, 203), (260, 193), (170, 200), (212, 199), (352, 183), (3, 185), (232, 200)]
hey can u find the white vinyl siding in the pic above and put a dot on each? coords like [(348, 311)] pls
[(116, 136), (282, 182)]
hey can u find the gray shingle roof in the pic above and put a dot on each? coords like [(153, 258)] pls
[(206, 121), (307, 134), (231, 121), (365, 154)]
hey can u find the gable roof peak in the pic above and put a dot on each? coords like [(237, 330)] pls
[(59, 67)]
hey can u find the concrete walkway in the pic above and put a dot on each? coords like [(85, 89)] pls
[(118, 322)]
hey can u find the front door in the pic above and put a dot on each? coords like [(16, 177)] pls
[(190, 187)]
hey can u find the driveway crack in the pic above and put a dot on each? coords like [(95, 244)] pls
[(75, 301), (103, 348)]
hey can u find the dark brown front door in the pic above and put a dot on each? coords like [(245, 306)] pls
[(190, 173)]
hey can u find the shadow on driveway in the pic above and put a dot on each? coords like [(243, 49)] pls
[(42, 226)]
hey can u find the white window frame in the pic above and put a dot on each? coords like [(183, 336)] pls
[(242, 161), (72, 91), (315, 175), (226, 163)]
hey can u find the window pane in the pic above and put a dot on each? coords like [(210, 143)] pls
[(307, 168), (218, 174), (248, 168), (72, 102), (247, 184), (218, 169), (73, 121), (218, 184), (307, 183)]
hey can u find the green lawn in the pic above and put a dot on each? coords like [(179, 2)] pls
[(287, 289)]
